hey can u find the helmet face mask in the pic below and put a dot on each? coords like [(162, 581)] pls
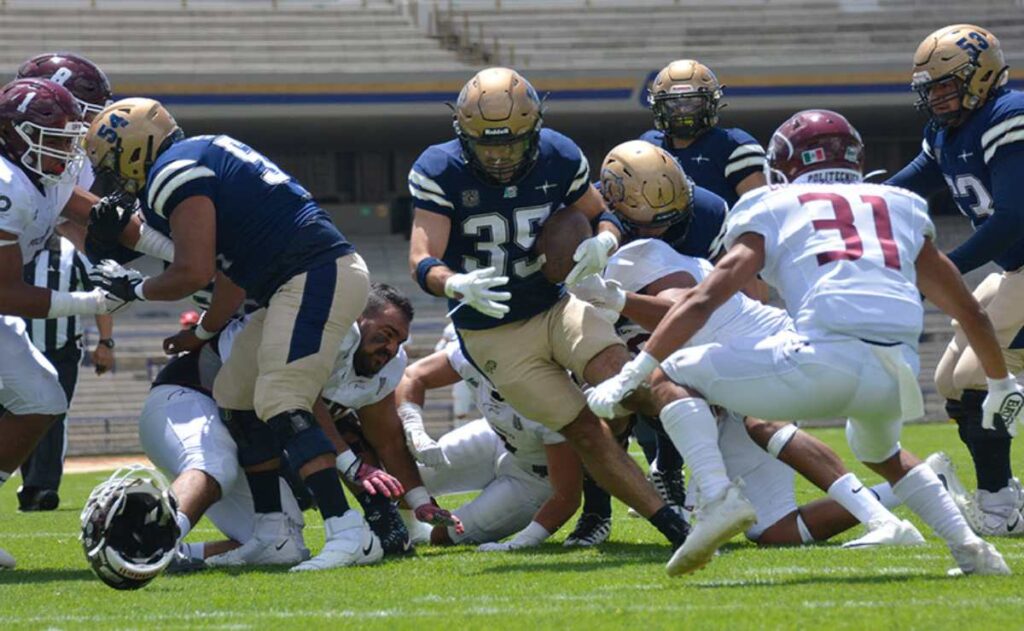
[(684, 98), (129, 532), (956, 69), (646, 188), (54, 154), (498, 118), (41, 129)]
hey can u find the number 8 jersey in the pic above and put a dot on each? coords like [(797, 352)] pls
[(842, 256), (496, 225)]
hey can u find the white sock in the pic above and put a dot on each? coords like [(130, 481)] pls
[(852, 495), (922, 492), (885, 495), (418, 531), (194, 550), (184, 525), (4, 476), (694, 431)]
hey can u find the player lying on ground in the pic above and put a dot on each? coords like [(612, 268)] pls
[(528, 476), (849, 272)]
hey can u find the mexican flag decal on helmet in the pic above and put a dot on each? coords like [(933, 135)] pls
[(813, 155)]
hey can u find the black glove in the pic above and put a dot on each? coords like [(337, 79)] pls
[(107, 220), (116, 280)]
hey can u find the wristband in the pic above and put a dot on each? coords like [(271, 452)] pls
[(417, 497), (423, 268), (64, 304), (345, 460), (138, 291), (410, 412), (645, 363), (155, 244)]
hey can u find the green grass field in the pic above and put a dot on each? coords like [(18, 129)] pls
[(621, 585)]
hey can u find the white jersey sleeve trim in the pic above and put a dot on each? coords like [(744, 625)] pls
[(1008, 138), (753, 161), (425, 183), (745, 150), (165, 173), (184, 177), (429, 197), (926, 148), (998, 130), (582, 176)]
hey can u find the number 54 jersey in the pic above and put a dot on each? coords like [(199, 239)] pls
[(496, 225), (841, 255)]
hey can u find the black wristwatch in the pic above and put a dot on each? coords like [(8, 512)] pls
[(109, 342)]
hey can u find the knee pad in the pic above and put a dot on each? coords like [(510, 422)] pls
[(780, 439), (300, 436), (967, 414), (257, 442)]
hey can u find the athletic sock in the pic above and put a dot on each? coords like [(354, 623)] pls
[(992, 462), (922, 492), (595, 499), (266, 491), (326, 488), (852, 495), (184, 525), (194, 550), (694, 431), (885, 495), (669, 523)]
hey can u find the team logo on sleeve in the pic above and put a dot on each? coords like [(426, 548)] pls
[(471, 198)]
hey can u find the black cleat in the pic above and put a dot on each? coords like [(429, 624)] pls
[(591, 530)]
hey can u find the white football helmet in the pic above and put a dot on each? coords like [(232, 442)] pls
[(129, 531)]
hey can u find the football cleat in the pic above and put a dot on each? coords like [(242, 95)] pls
[(384, 520), (7, 562), (671, 486), (349, 542), (978, 557), (272, 543), (717, 522), (997, 514), (182, 563), (591, 530), (888, 533), (945, 470)]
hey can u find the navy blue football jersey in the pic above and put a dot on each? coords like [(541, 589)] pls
[(495, 225), (701, 237), (718, 159), (982, 163), (269, 229)]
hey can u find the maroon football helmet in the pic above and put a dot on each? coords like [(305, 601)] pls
[(821, 142), (86, 82), (41, 128)]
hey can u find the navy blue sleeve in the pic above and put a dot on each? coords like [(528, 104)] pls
[(922, 176), (610, 217), (1005, 226)]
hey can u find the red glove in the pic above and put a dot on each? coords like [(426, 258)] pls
[(372, 479), (434, 515)]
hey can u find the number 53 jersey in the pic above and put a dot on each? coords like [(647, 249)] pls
[(841, 255), (496, 225), (269, 229)]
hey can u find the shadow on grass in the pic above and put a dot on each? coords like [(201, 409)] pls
[(21, 577), (576, 560), (813, 579)]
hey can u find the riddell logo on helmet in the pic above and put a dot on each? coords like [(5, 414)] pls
[(497, 131), (680, 87), (812, 156)]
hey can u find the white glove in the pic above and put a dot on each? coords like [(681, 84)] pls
[(424, 449), (591, 256), (498, 546), (533, 535), (476, 289), (603, 399), (600, 292), (1005, 399), (117, 281)]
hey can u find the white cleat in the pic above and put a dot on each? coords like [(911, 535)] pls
[(6, 560), (998, 514), (272, 543), (888, 533), (717, 522), (349, 542), (978, 557), (945, 470)]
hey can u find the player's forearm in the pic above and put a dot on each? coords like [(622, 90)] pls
[(647, 311), (982, 338), (176, 282), (556, 511), (436, 279), (105, 326), (326, 423), (411, 390), (226, 300), (680, 324)]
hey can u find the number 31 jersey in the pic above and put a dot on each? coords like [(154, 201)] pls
[(496, 225), (841, 255)]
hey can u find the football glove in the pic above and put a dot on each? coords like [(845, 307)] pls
[(372, 479), (604, 397), (476, 289), (117, 281), (107, 219), (591, 256), (600, 292), (431, 513), (1005, 400)]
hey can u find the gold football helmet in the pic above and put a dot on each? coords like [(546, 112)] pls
[(956, 68), (126, 138), (498, 119), (684, 97), (645, 187)]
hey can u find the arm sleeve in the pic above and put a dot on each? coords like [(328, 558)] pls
[(922, 175), (1005, 226)]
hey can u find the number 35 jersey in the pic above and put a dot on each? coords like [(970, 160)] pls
[(841, 255), (269, 229), (496, 225)]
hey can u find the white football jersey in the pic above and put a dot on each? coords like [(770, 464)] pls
[(353, 391), (841, 255), (524, 439), (640, 263), (27, 211)]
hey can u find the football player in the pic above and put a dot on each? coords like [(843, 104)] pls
[(227, 206), (643, 183), (41, 130), (972, 144), (479, 201), (849, 260), (528, 476)]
